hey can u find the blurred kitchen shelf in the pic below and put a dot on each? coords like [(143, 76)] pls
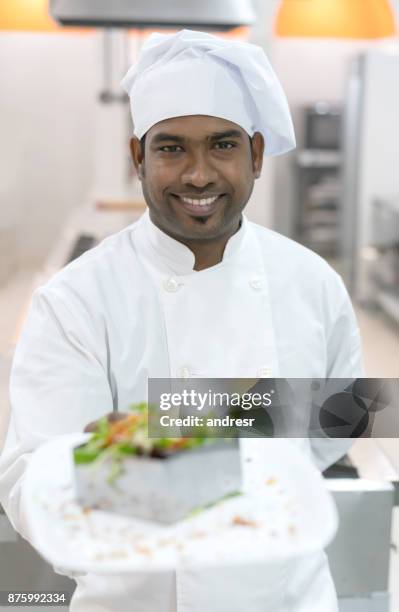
[(321, 216), (318, 158), (317, 224), (385, 222)]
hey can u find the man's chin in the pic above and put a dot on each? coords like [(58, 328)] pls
[(184, 227), (201, 228)]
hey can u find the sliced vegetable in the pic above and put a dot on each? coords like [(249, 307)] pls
[(128, 436)]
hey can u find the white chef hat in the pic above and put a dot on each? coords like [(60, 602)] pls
[(195, 73)]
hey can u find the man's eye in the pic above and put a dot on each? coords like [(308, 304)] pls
[(226, 145), (167, 148)]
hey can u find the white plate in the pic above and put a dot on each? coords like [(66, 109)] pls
[(284, 512)]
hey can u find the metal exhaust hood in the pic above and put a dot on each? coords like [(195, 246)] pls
[(219, 15)]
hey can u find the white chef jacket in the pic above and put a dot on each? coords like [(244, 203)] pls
[(134, 308)]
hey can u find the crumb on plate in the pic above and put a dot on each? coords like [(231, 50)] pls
[(244, 522)]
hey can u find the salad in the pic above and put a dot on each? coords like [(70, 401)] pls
[(128, 436)]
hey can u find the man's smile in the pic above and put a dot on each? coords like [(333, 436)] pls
[(199, 206)]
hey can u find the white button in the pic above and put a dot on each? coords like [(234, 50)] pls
[(264, 372), (183, 372), (171, 285), (256, 283)]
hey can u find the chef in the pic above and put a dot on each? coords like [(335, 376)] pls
[(193, 289)]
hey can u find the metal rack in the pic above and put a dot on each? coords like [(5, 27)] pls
[(318, 199), (318, 179)]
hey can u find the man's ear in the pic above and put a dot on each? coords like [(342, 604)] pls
[(137, 156), (257, 148)]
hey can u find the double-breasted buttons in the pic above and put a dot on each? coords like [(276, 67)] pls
[(171, 285), (256, 283)]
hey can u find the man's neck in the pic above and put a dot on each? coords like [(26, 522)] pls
[(209, 253)]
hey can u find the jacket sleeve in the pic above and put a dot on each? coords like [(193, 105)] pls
[(344, 360), (58, 384)]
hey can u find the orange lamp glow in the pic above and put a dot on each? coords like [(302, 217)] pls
[(335, 19), (26, 16), (31, 16)]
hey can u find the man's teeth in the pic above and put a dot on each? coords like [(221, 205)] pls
[(203, 202)]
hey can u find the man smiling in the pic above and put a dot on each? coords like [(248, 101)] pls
[(197, 174), (193, 289)]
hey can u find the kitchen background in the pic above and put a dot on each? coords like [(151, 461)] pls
[(66, 181)]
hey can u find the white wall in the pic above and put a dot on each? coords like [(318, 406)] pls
[(47, 102)]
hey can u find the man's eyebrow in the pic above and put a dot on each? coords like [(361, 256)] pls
[(165, 137), (226, 134)]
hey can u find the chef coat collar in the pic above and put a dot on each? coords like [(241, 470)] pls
[(178, 257)]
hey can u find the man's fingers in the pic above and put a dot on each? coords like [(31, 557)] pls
[(90, 427), (111, 417), (116, 416)]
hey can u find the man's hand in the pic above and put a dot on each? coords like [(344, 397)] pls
[(112, 417)]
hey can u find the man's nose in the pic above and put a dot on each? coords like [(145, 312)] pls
[(199, 171)]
